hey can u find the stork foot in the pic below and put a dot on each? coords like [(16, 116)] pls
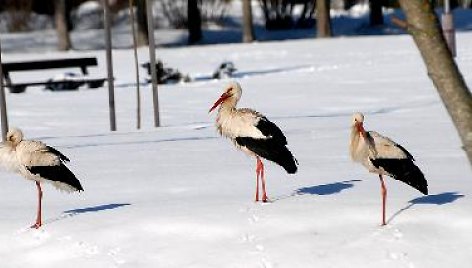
[(36, 225), (265, 199)]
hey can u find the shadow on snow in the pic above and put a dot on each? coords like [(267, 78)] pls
[(245, 74), (323, 189), (436, 199), (327, 189), (74, 212), (139, 142), (95, 208)]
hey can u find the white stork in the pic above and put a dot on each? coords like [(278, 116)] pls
[(252, 133), (383, 156), (36, 161)]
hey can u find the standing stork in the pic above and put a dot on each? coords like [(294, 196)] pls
[(36, 161), (252, 133), (383, 156)]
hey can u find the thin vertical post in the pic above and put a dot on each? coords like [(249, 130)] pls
[(111, 86), (447, 6), (136, 67), (3, 102), (152, 61), (448, 27)]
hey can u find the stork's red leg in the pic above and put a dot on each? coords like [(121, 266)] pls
[(264, 193), (384, 198), (258, 172), (40, 197)]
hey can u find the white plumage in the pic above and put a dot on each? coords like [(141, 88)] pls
[(38, 162), (232, 123), (383, 156), (252, 133)]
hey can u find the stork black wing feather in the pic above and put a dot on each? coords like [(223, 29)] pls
[(403, 170), (272, 150), (270, 129), (58, 173), (56, 152)]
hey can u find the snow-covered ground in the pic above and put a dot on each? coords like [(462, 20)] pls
[(167, 198), (180, 196)]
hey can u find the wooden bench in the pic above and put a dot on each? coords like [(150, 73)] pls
[(81, 63)]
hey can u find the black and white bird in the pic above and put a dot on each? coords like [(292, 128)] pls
[(252, 133), (166, 75), (383, 156), (224, 70), (38, 162)]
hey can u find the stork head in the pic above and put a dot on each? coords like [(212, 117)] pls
[(358, 122), (357, 118), (231, 95), (14, 136)]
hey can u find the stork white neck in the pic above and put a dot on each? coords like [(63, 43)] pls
[(357, 146)]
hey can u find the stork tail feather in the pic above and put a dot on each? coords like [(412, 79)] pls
[(271, 150), (404, 170), (58, 175)]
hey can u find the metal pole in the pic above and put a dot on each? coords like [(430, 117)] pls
[(136, 67), (111, 86), (447, 6), (3, 102), (448, 27), (152, 61)]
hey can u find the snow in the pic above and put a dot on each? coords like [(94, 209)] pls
[(181, 196)]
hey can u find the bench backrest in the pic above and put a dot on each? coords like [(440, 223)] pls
[(48, 64)]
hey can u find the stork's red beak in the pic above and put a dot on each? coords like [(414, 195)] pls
[(223, 97)]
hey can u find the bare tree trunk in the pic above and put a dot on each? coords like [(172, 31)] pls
[(248, 30), (376, 15), (323, 20), (143, 39), (61, 25), (443, 71), (194, 22)]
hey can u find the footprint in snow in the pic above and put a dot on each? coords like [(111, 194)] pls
[(253, 219), (248, 238), (114, 254), (397, 234), (86, 248), (38, 236), (389, 233), (257, 248), (401, 257), (266, 264)]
